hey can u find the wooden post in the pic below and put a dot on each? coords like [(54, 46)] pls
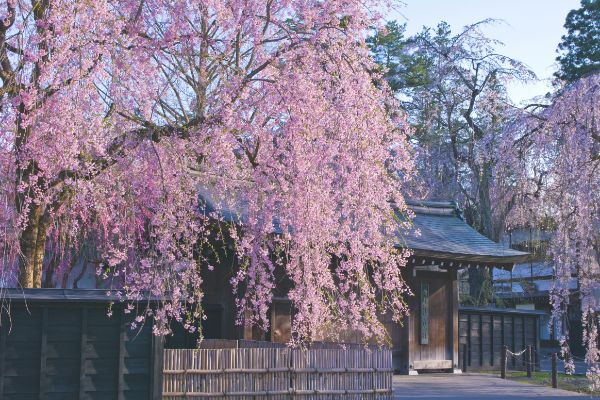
[(3, 333), (121, 359), (514, 338), (502, 337), (480, 330), (491, 340), (554, 374), (43, 354), (536, 327), (524, 338), (464, 357), (455, 317), (292, 382), (529, 360), (82, 349), (503, 362), (469, 338), (157, 366)]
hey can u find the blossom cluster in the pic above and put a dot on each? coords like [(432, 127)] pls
[(551, 161), (114, 114)]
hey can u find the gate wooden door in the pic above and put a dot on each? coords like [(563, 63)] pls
[(431, 315)]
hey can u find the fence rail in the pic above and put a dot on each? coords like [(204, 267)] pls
[(277, 373)]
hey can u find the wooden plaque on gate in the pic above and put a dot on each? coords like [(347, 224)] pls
[(424, 313)]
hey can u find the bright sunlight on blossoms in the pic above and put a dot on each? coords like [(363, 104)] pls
[(114, 114)]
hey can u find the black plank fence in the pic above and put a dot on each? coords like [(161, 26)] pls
[(60, 344), (484, 331)]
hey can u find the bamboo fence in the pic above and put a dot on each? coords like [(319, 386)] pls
[(277, 373)]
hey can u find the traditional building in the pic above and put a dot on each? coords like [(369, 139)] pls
[(528, 285), (428, 338), (442, 244)]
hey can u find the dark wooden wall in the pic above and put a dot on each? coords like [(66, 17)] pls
[(73, 350), (485, 331)]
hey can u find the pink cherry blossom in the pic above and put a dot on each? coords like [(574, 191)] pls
[(550, 163), (114, 115)]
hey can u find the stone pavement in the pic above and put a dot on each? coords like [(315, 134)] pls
[(472, 386)]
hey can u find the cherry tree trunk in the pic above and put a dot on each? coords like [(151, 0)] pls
[(485, 204), (480, 286), (33, 244), (32, 241)]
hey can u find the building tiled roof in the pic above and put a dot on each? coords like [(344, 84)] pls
[(66, 295), (497, 310), (444, 234)]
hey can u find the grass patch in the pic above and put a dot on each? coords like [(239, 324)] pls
[(574, 383)]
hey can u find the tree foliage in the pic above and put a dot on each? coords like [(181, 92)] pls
[(403, 68), (457, 103), (579, 49), (550, 163), (114, 115)]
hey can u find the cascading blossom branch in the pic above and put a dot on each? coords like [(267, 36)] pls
[(114, 115), (554, 161)]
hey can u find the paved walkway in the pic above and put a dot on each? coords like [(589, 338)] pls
[(472, 386)]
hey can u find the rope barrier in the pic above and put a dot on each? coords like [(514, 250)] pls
[(523, 359), (548, 357), (516, 354), (530, 361), (544, 356)]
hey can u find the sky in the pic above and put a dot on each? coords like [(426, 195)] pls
[(530, 30)]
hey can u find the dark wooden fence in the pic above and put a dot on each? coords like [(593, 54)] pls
[(60, 344), (277, 373), (483, 333)]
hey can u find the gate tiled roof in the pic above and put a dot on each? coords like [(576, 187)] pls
[(445, 234)]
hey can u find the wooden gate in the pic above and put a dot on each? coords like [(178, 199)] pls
[(277, 373)]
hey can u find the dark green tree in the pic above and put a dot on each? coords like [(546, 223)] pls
[(579, 49), (406, 67), (453, 87)]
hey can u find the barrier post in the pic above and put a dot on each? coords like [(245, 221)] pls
[(554, 373), (529, 360), (464, 357), (503, 362)]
